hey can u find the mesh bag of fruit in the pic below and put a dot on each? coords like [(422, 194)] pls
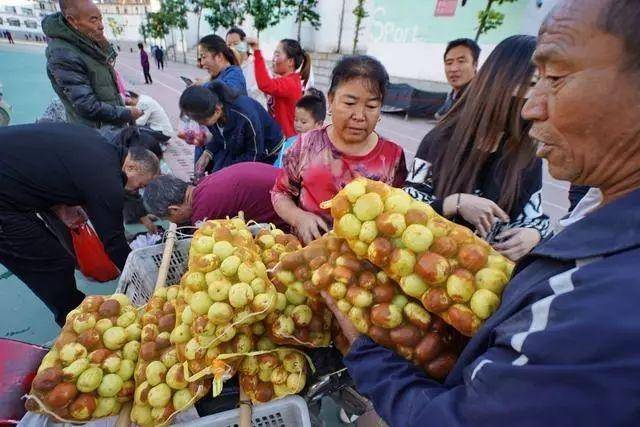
[(378, 307), (266, 376), (161, 387), (273, 243), (88, 373), (302, 318), (455, 274), (226, 296)]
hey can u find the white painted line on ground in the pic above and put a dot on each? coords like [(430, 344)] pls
[(155, 81)]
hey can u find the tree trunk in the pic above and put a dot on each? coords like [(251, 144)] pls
[(340, 29), (299, 19), (184, 49), (482, 22), (173, 40), (198, 27)]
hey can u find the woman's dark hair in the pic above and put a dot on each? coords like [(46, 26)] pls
[(488, 114), (199, 102), (315, 105), (238, 31), (132, 94), (360, 66), (136, 136), (140, 45), (300, 58), (215, 44)]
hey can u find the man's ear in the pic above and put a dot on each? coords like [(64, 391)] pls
[(71, 20)]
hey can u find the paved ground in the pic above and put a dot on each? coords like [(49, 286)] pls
[(167, 87)]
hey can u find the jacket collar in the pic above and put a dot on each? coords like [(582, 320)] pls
[(612, 228)]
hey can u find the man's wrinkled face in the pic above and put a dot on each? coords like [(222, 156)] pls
[(585, 106), (87, 19), (459, 67)]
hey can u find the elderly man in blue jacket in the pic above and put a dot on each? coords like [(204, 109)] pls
[(564, 347)]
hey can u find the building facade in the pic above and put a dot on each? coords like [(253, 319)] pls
[(123, 18), (23, 17)]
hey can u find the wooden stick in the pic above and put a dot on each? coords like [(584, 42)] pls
[(166, 256), (163, 270), (245, 410), (124, 416)]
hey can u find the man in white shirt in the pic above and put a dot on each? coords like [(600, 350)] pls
[(153, 115)]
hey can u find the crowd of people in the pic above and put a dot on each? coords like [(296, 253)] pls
[(561, 349)]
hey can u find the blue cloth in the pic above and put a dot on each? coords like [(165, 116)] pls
[(233, 77), (562, 350), (287, 144), (249, 134)]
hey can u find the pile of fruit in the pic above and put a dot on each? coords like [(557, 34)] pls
[(273, 243), (376, 306), (225, 296), (273, 374), (88, 373), (161, 388), (455, 274)]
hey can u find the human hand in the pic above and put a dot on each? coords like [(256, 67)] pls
[(253, 43), (203, 162), (71, 216), (346, 325), (149, 225), (482, 213), (136, 112), (309, 226), (517, 242)]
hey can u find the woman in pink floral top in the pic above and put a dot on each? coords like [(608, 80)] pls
[(323, 161)]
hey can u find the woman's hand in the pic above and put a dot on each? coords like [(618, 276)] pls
[(309, 226), (482, 213), (346, 325), (203, 162), (253, 43), (517, 242)]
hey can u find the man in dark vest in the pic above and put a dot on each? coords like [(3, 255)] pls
[(80, 66)]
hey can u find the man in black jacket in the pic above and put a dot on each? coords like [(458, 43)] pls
[(80, 66), (44, 166)]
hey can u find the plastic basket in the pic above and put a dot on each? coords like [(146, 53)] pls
[(138, 278), (290, 411)]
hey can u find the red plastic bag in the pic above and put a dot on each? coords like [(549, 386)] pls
[(92, 260)]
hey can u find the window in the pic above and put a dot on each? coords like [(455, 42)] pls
[(30, 24), (117, 9), (125, 10), (27, 11), (1, 21), (13, 22), (10, 9)]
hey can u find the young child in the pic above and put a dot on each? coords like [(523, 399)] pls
[(311, 111)]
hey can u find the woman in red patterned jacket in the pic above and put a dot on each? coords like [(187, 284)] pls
[(323, 161)]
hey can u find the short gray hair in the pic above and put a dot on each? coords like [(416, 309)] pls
[(148, 161), (162, 192), (620, 18)]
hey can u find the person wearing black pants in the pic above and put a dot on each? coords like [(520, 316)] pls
[(50, 168), (159, 55), (31, 251), (144, 61)]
